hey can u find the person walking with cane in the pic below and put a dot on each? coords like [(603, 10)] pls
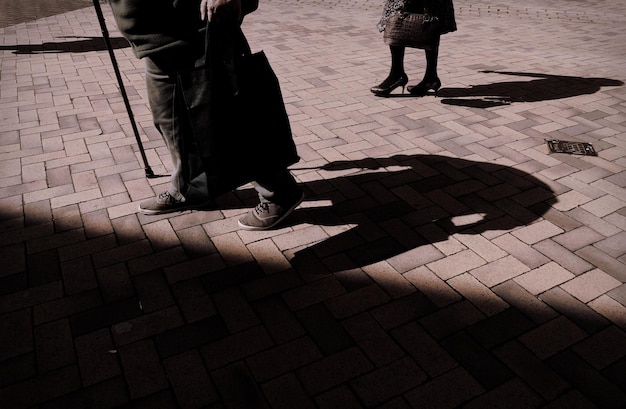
[(168, 36)]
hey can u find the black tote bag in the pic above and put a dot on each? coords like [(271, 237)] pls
[(236, 113)]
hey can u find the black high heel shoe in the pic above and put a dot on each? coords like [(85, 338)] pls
[(389, 84), (423, 87)]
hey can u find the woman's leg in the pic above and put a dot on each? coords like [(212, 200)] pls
[(431, 65), (397, 61), (396, 77), (431, 78)]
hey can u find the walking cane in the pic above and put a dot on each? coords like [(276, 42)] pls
[(107, 40)]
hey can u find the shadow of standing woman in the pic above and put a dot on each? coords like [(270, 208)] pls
[(542, 87)]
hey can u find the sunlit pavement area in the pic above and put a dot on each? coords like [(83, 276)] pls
[(443, 257)]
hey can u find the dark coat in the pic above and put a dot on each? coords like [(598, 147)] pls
[(153, 26)]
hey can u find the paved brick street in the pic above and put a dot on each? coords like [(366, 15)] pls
[(442, 258)]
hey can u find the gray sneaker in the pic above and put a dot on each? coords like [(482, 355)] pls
[(166, 203), (267, 215)]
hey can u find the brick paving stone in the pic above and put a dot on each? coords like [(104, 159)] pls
[(611, 309), (234, 309), (142, 369), (190, 381), (17, 334), (53, 345), (590, 285), (613, 267), (436, 289), (18, 369), (425, 350), (598, 224), (376, 343), (231, 348), (268, 364), (194, 303), (488, 371), (161, 235), (537, 232), (515, 393), (329, 335), (552, 337), (500, 271), (613, 373), (453, 318), (456, 264), (313, 293), (237, 387), (619, 294), (603, 206), (447, 391), (280, 322), (572, 399), (104, 316), (500, 328), (566, 259), (146, 326), (156, 261), (31, 297), (386, 382), (392, 282), (65, 306), (578, 238), (595, 387), (339, 397), (271, 285), (115, 391), (48, 386), (614, 246), (287, 392), (334, 370), (115, 283), (96, 357), (478, 294), (357, 301), (604, 348), (544, 278), (582, 314), (153, 291), (532, 370)]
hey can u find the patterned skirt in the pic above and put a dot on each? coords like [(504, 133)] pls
[(442, 9)]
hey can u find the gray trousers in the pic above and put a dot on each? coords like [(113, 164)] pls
[(188, 178)]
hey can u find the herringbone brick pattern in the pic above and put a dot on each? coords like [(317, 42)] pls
[(443, 256)]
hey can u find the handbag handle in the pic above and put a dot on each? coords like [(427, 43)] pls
[(223, 45), (221, 41)]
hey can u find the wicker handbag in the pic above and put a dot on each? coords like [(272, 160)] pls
[(413, 30)]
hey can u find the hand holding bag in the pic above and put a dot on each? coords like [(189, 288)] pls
[(237, 113), (413, 30)]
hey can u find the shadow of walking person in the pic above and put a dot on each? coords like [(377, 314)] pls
[(86, 44), (388, 206), (542, 87)]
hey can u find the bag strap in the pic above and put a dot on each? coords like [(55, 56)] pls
[(224, 46), (220, 41)]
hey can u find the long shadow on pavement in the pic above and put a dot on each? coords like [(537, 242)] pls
[(336, 324), (542, 87), (87, 44), (415, 200)]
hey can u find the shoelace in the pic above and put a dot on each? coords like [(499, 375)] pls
[(262, 207), (166, 197)]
